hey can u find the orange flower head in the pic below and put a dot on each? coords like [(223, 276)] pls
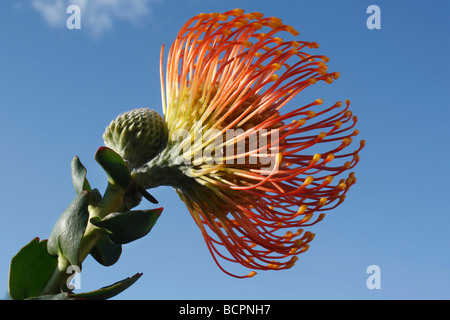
[(252, 177)]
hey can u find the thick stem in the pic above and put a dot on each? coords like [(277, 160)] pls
[(56, 282)]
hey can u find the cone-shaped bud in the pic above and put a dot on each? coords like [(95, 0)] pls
[(136, 135)]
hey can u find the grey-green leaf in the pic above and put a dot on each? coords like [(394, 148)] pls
[(106, 252), (114, 166), (109, 291), (125, 227), (79, 172), (68, 231)]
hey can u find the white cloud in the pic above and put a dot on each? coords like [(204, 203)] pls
[(97, 16)]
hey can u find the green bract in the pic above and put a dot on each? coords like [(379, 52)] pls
[(136, 135)]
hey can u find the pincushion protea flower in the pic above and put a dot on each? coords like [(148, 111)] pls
[(253, 199)]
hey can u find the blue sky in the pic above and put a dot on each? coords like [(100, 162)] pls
[(60, 88)]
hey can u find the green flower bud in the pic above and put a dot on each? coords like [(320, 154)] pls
[(136, 135)]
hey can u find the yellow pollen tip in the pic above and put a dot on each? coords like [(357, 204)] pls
[(317, 156), (279, 157), (249, 16), (347, 165), (342, 186), (322, 65), (321, 136), (258, 15), (362, 143), (346, 141), (312, 80), (278, 40), (318, 101), (298, 243), (325, 58), (288, 235), (226, 32), (291, 263), (223, 17), (308, 181), (321, 71), (273, 77), (322, 202), (330, 157), (276, 66), (257, 25), (302, 209), (311, 114), (336, 75), (272, 25), (276, 20), (251, 274), (247, 44), (236, 12), (295, 44), (291, 30), (329, 179)]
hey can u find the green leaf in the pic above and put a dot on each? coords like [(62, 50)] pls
[(114, 166), (30, 270), (125, 227), (79, 180), (68, 231), (106, 252), (109, 291)]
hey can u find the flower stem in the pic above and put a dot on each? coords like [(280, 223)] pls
[(111, 202)]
